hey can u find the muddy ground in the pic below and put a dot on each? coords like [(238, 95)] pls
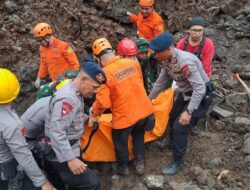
[(226, 144)]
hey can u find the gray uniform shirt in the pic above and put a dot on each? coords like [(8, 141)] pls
[(34, 119), (12, 144), (65, 121), (187, 70)]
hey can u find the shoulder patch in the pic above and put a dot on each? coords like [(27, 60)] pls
[(66, 108), (100, 78), (175, 65), (160, 27), (69, 50), (185, 70), (23, 131)]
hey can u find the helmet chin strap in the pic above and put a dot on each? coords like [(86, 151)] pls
[(48, 41), (47, 44), (100, 62)]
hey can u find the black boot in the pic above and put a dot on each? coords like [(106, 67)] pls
[(193, 131), (173, 168)]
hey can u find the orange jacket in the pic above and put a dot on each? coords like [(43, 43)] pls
[(124, 93), (56, 59), (149, 27)]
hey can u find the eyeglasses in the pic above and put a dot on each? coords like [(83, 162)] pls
[(196, 30)]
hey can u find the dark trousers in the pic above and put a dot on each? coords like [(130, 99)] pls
[(52, 175), (120, 141), (3, 184), (26, 184), (86, 181), (178, 134)]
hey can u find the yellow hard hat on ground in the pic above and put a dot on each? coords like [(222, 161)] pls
[(42, 29), (9, 86), (99, 45)]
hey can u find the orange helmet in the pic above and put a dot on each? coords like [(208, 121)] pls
[(99, 45), (147, 3), (42, 29), (127, 47)]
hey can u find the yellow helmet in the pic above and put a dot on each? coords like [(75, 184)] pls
[(99, 45), (61, 84), (42, 29), (9, 86)]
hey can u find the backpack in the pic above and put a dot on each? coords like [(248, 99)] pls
[(201, 45)]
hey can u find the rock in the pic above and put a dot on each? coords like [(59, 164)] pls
[(245, 53), (17, 47), (240, 17), (247, 160), (182, 186), (28, 73), (240, 128), (248, 18), (230, 34), (92, 24), (10, 6), (211, 182), (245, 75), (200, 175), (238, 99), (21, 2), (139, 186), (219, 186), (116, 183), (216, 172), (130, 181), (219, 125), (241, 120), (14, 19), (222, 112), (240, 184), (246, 148), (210, 32), (203, 177), (215, 163), (232, 84), (221, 52), (247, 10), (154, 181), (245, 72)]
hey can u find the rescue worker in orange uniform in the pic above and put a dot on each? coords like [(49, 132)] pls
[(148, 22), (125, 95), (56, 56)]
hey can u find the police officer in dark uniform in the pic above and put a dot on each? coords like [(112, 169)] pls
[(13, 148), (64, 126), (193, 100)]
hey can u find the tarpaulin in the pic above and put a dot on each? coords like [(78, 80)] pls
[(101, 148)]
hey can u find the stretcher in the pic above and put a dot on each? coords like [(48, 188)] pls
[(101, 148)]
